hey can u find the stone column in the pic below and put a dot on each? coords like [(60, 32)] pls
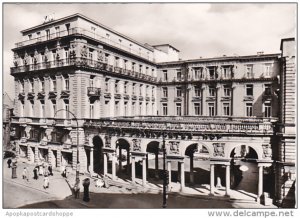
[(212, 179), (92, 160), (144, 171), (36, 154), (227, 180), (192, 169), (120, 159), (260, 182), (29, 156), (128, 162), (182, 179), (105, 164), (133, 169), (156, 165), (113, 166), (170, 172)]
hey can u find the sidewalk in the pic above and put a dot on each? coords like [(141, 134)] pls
[(59, 189)]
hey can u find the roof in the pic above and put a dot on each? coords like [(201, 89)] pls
[(90, 20), (227, 58), (166, 45), (284, 40)]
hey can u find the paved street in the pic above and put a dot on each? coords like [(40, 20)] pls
[(30, 194)]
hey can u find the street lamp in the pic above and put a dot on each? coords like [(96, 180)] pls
[(164, 173), (77, 165)]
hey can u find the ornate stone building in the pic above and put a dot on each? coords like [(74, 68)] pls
[(84, 90)]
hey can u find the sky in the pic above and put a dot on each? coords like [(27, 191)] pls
[(196, 29)]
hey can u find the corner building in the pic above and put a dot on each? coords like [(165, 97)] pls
[(84, 90)]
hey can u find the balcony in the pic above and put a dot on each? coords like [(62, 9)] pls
[(65, 93), (225, 98), (211, 98), (126, 96), (164, 99), (52, 94), (77, 31), (21, 96), (30, 95), (134, 97), (141, 98), (107, 95), (93, 92), (147, 98), (194, 125), (178, 99), (41, 95), (267, 95), (196, 98), (248, 98), (118, 70), (153, 99), (117, 96)]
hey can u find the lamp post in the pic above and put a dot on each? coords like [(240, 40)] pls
[(164, 174), (77, 163)]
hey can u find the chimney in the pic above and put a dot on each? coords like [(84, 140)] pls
[(260, 53)]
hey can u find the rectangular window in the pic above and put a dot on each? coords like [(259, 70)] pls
[(140, 109), (117, 109), (67, 84), (125, 87), (226, 72), (197, 91), (268, 89), (165, 75), (178, 91), (249, 90), (48, 34), (53, 107), (29, 37), (42, 109), (57, 31), (212, 72), (226, 109), (32, 86), (211, 91), (199, 73), (178, 109), (179, 74), (133, 88), (211, 109), (141, 69), (267, 110), (67, 109), (249, 71), (21, 86), (31, 108), (197, 108), (133, 108), (116, 87), (91, 111), (249, 109), (140, 89), (42, 86), (165, 92), (226, 91), (165, 109), (126, 108), (38, 35), (106, 85), (267, 70)]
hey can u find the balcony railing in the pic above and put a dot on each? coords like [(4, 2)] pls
[(92, 91), (80, 31), (79, 62), (196, 125)]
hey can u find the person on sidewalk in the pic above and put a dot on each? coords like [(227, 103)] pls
[(9, 162), (35, 173), (77, 188), (46, 182), (64, 173), (24, 174), (50, 170), (41, 171)]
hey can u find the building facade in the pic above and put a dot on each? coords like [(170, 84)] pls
[(84, 91)]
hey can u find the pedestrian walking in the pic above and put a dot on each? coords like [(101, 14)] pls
[(24, 173), (64, 173), (41, 171), (50, 170), (14, 169), (9, 162), (35, 173), (46, 182)]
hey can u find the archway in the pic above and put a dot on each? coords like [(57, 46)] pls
[(153, 159), (244, 170), (198, 164), (97, 155), (123, 156)]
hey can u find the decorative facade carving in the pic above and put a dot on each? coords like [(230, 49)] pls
[(267, 151), (219, 149), (136, 145), (108, 141), (174, 147), (100, 56)]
